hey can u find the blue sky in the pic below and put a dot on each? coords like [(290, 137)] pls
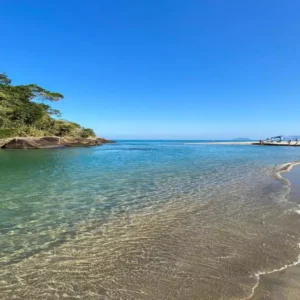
[(161, 69)]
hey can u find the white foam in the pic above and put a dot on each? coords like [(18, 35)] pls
[(259, 273), (282, 169), (286, 168)]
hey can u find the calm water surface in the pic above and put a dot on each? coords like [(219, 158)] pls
[(144, 220)]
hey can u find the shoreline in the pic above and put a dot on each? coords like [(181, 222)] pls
[(259, 291), (220, 143), (248, 143)]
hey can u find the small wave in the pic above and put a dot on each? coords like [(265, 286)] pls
[(284, 168), (258, 274), (287, 167)]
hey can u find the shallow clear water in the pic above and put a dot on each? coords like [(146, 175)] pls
[(143, 220)]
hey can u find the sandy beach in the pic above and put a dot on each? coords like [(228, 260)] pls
[(221, 143)]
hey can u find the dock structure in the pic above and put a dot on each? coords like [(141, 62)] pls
[(292, 144), (279, 141), (283, 143)]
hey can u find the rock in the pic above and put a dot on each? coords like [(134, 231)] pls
[(51, 142), (105, 141), (20, 143), (54, 140), (4, 141), (69, 142)]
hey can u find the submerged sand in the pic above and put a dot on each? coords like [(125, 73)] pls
[(183, 249)]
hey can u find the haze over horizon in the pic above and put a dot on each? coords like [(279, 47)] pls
[(161, 69)]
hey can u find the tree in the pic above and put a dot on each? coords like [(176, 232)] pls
[(50, 111), (21, 109), (42, 94), (87, 132), (4, 79), (27, 114)]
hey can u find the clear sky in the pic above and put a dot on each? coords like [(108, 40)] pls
[(161, 69)]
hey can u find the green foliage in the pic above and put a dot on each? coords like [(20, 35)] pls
[(20, 115), (86, 132), (65, 128), (4, 79), (24, 131), (6, 133), (42, 94), (28, 113)]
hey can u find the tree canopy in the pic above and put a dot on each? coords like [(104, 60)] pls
[(24, 113)]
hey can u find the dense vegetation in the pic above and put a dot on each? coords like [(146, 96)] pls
[(24, 113)]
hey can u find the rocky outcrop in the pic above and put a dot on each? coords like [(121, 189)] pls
[(51, 142), (20, 144), (105, 141), (4, 141)]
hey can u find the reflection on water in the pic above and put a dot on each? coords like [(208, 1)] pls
[(180, 222)]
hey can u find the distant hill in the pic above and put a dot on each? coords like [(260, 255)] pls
[(242, 139)]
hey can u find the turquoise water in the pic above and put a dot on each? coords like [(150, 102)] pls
[(145, 220)]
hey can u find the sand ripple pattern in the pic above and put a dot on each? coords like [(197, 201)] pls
[(169, 233)]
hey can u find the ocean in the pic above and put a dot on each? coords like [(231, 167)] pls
[(145, 220)]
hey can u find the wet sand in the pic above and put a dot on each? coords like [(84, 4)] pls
[(285, 284)]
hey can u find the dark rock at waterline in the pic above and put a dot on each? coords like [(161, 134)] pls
[(84, 142), (51, 142), (32, 143), (105, 141), (20, 144)]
